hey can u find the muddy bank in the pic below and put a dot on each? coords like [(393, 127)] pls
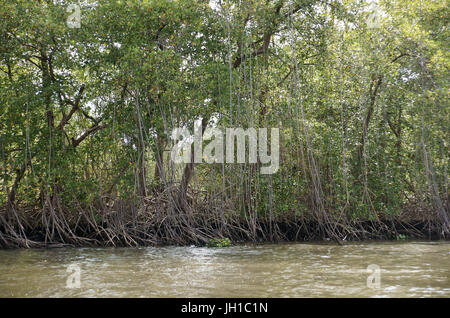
[(197, 229)]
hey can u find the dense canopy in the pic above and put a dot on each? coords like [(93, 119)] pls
[(358, 91)]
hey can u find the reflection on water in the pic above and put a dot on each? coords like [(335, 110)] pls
[(412, 269)]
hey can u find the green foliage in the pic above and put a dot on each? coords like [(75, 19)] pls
[(86, 114), (219, 242), (401, 237)]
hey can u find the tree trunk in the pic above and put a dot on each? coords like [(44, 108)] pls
[(187, 174)]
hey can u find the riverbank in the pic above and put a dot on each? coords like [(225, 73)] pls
[(130, 227)]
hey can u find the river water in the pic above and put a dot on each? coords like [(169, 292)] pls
[(396, 269)]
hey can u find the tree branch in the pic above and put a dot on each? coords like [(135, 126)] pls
[(75, 106), (93, 129), (265, 39)]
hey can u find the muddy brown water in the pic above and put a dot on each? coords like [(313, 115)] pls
[(396, 269)]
